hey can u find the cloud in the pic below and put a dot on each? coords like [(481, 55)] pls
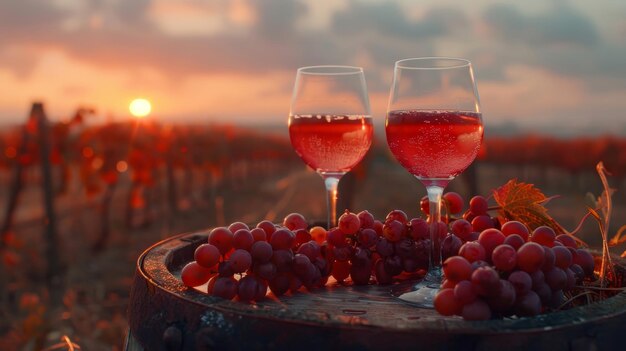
[(388, 19), (560, 25)]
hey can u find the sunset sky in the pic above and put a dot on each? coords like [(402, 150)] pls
[(541, 65)]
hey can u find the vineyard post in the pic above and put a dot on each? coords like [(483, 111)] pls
[(52, 253), (17, 185)]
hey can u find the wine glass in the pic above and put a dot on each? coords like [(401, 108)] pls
[(330, 124), (434, 129)]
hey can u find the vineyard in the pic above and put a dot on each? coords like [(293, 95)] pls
[(79, 202)]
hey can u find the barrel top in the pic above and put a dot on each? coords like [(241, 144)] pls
[(344, 306)]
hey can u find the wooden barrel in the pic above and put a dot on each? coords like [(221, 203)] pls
[(166, 315)]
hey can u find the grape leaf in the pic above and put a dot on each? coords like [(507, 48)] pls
[(523, 202)]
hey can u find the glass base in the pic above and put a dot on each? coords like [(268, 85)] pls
[(421, 294)]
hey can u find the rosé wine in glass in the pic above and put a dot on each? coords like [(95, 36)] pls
[(331, 143), (434, 144)]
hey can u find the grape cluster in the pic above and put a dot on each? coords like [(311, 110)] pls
[(281, 258), (505, 269), (362, 247)]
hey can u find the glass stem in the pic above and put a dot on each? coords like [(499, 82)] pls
[(434, 259), (331, 181)]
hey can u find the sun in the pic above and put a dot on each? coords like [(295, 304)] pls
[(140, 107)]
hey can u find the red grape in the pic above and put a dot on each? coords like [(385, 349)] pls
[(282, 239), (482, 222), (537, 278), (240, 260), (462, 228), (247, 288), (585, 260), (367, 238), (422, 252), (393, 265), (318, 234), (337, 238), (397, 215), (567, 240), (486, 281), (294, 284), (301, 264), (530, 257), (222, 238), (504, 257), (283, 260), (489, 239), (411, 264), (528, 305), (453, 201), (556, 278), (448, 284), (265, 270), (378, 227), (225, 288), (258, 234), (571, 279), (302, 236), (349, 223), (544, 292), (473, 251), (563, 257), (268, 227), (341, 270), (464, 292), (556, 299), (261, 291), (450, 246), (234, 227), (543, 235), (446, 304), (457, 268), (261, 251), (194, 274), (243, 239), (404, 248), (343, 253), (207, 255), (323, 265), (515, 227), (505, 300), (418, 229), (393, 230), (280, 284), (478, 205), (366, 219), (549, 260), (514, 240), (521, 281), (382, 277), (310, 249), (295, 221), (360, 274), (477, 310), (360, 257), (225, 269)]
